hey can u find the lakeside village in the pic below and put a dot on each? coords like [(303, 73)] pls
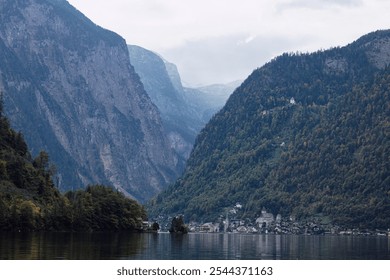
[(266, 223)]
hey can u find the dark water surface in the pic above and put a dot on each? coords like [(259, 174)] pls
[(105, 246)]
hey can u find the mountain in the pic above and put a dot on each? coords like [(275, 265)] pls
[(184, 111), (70, 88), (180, 119), (208, 99), (218, 94), (305, 135), (211, 98)]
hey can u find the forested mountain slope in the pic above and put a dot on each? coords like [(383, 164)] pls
[(305, 135)]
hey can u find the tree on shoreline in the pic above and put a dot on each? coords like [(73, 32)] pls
[(178, 226)]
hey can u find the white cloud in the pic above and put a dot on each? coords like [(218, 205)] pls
[(228, 58), (206, 34)]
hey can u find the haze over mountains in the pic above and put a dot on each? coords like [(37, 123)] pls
[(70, 87), (184, 111)]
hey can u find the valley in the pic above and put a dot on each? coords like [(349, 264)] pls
[(306, 135)]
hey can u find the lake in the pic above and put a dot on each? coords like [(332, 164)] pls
[(193, 246)]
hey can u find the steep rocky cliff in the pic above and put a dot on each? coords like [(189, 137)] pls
[(70, 88), (184, 111), (181, 120)]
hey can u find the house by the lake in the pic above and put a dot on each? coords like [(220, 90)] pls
[(265, 219)]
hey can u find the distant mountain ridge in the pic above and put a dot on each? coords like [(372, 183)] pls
[(211, 98), (70, 88), (305, 135), (180, 120), (184, 111)]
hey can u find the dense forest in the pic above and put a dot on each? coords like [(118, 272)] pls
[(29, 199), (305, 135)]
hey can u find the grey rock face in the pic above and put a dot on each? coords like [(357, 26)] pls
[(335, 65), (74, 79), (379, 52), (184, 111), (162, 83)]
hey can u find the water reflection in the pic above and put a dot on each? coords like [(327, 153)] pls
[(61, 245), (237, 246), (191, 246)]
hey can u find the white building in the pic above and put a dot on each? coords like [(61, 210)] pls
[(209, 227), (265, 219)]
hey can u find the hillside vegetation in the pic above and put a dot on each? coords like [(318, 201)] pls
[(29, 199), (305, 135)]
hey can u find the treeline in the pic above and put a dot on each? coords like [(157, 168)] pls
[(102, 208), (97, 208), (29, 199)]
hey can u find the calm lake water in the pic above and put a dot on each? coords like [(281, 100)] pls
[(105, 246)]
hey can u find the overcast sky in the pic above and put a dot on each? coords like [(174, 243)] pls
[(218, 41)]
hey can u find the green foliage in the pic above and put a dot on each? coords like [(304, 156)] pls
[(326, 154), (103, 208), (30, 201), (155, 226), (178, 226)]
